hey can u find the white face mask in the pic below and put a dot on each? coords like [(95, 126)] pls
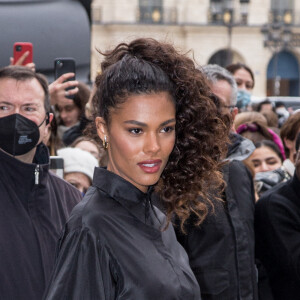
[(283, 112)]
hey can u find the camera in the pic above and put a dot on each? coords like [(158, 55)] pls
[(19, 48), (59, 64)]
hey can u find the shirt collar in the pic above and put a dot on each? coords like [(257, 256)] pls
[(129, 196)]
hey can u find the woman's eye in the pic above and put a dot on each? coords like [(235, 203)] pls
[(168, 129), (2, 107), (135, 130)]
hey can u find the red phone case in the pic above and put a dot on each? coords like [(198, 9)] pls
[(20, 48)]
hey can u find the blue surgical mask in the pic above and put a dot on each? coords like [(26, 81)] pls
[(243, 99)]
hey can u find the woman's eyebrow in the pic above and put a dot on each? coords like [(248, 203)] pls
[(134, 122), (138, 123), (167, 122), (255, 160)]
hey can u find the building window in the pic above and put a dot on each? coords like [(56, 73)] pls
[(282, 11), (244, 11), (221, 11), (150, 11)]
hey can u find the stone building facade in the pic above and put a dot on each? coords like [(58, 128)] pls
[(217, 31)]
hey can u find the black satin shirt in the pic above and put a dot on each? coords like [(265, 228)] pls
[(113, 248)]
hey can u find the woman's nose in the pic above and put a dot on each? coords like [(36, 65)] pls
[(152, 143), (264, 167)]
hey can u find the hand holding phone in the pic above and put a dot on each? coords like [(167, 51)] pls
[(63, 66), (23, 53), (57, 89)]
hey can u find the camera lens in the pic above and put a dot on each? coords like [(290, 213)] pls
[(18, 48), (59, 64)]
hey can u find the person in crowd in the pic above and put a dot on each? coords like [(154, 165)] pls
[(277, 216), (93, 146), (267, 163), (272, 120), (79, 167), (71, 114), (257, 132), (245, 81), (265, 105), (34, 203), (288, 133), (161, 131), (221, 249), (266, 156), (249, 117)]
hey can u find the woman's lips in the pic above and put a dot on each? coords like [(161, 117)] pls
[(150, 166)]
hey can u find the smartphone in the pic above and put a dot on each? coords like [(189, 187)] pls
[(65, 65), (57, 165), (20, 48)]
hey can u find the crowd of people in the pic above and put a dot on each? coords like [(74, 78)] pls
[(174, 185)]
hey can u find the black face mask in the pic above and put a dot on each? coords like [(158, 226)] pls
[(18, 135)]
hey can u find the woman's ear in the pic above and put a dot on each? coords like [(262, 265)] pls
[(289, 144), (101, 127)]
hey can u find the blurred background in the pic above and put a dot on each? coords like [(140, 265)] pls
[(264, 34)]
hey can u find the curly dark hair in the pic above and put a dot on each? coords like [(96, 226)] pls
[(149, 66)]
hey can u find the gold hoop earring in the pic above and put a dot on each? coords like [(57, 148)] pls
[(105, 142)]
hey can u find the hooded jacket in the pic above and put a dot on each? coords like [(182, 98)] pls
[(34, 206), (113, 248)]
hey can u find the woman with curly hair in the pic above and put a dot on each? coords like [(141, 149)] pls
[(161, 132)]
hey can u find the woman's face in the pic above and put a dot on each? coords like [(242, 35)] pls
[(264, 159), (89, 147), (68, 112), (79, 180), (243, 80), (141, 136)]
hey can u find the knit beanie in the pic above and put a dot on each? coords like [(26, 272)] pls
[(77, 160)]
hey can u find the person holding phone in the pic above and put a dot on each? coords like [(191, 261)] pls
[(23, 55), (161, 131), (277, 223)]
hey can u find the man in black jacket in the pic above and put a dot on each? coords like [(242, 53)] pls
[(221, 250), (277, 231), (34, 203)]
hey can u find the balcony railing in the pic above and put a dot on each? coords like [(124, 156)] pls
[(143, 15), (156, 15), (282, 16)]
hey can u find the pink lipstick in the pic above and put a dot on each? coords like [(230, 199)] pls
[(150, 166)]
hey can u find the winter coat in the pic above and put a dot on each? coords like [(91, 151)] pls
[(221, 249), (277, 230), (34, 206)]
